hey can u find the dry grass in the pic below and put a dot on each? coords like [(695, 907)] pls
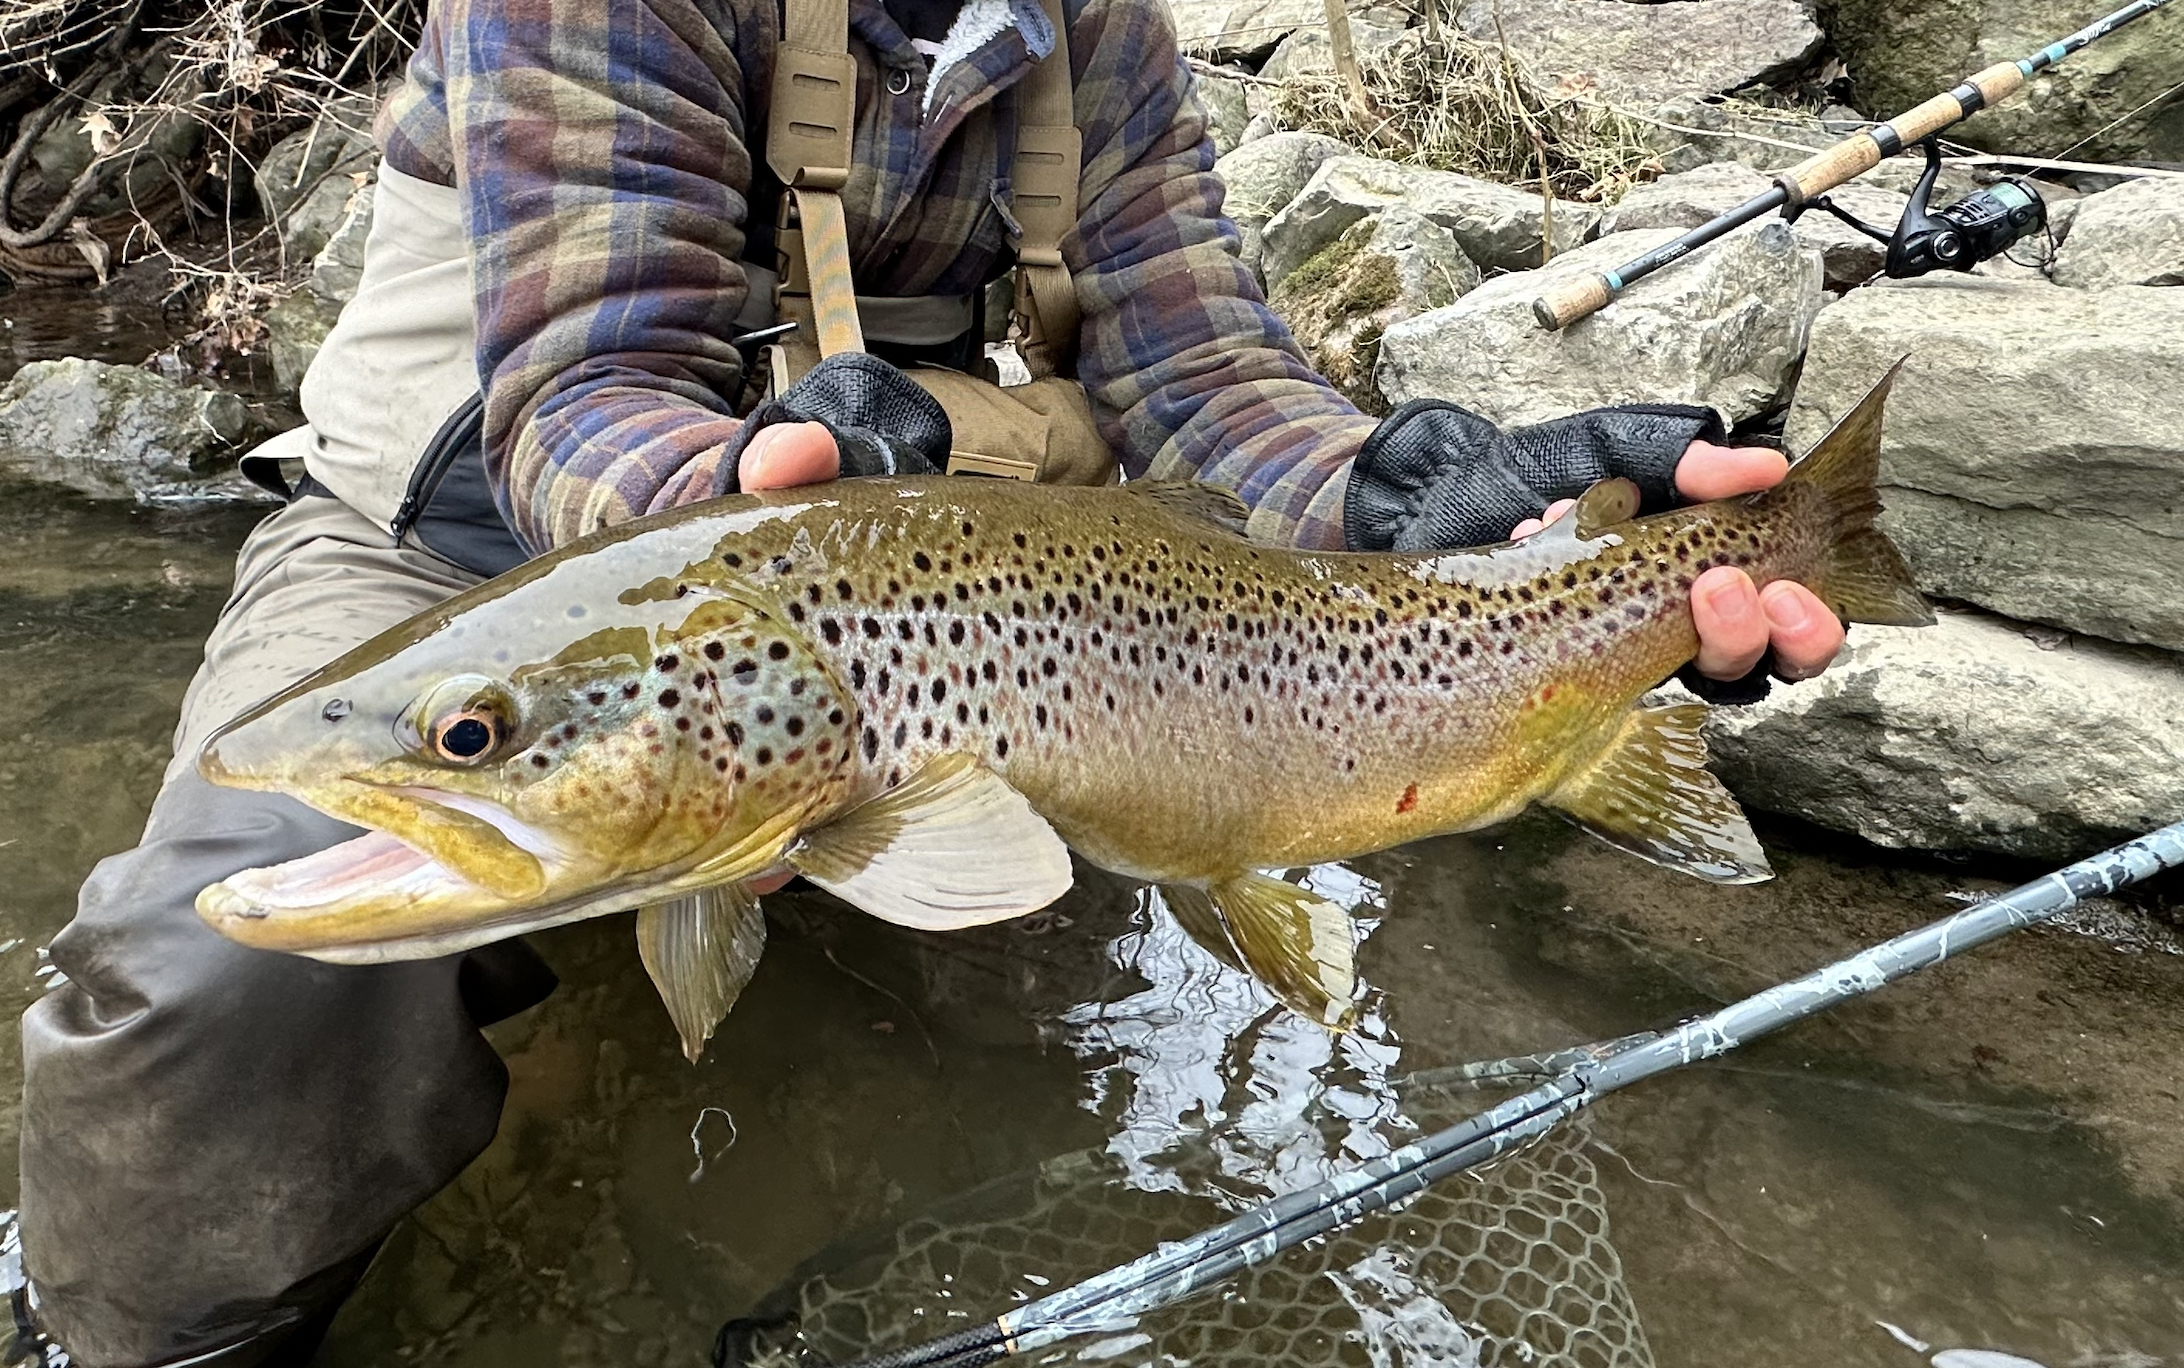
[(1448, 102)]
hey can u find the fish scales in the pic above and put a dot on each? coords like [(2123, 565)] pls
[(1181, 703), (922, 694)]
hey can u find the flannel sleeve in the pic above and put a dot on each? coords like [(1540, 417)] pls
[(1190, 373), (597, 145)]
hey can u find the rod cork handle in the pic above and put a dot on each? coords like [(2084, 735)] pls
[(1566, 301)]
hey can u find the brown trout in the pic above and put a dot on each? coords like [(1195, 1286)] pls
[(921, 694)]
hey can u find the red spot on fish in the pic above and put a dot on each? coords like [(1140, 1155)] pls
[(1409, 799)]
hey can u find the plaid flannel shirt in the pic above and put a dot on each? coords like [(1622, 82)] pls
[(602, 149)]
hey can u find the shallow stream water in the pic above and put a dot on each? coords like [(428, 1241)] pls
[(1986, 1158)]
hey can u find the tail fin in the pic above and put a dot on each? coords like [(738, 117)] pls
[(1863, 577)]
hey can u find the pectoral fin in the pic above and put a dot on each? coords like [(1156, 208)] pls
[(952, 846), (1295, 942), (700, 950), (1651, 794)]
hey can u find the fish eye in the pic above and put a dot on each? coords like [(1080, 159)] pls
[(464, 721)]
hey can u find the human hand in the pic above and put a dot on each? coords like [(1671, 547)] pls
[(789, 454), (1738, 621)]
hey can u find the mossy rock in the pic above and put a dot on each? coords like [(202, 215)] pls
[(1384, 268)]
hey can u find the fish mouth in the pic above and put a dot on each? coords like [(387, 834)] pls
[(461, 873)]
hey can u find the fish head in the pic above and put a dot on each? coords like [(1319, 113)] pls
[(526, 758)]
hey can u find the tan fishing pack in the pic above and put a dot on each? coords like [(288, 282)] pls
[(1040, 431)]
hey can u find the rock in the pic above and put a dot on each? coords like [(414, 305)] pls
[(2131, 235), (1386, 268), (1227, 109), (1968, 735), (163, 153), (1899, 54), (121, 432), (1233, 30), (305, 181), (1310, 49), (1690, 198), (1498, 226), (1642, 54), (340, 263), (295, 328), (1724, 328), (1261, 126), (2034, 452), (1264, 175)]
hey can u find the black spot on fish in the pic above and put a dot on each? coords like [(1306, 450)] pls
[(902, 734), (940, 690), (955, 634), (666, 664), (745, 672), (856, 674), (871, 628), (1001, 747), (922, 561), (629, 690), (870, 743), (731, 560), (796, 612), (714, 650), (829, 629), (540, 761), (794, 726), (597, 697), (764, 755), (682, 724), (764, 715)]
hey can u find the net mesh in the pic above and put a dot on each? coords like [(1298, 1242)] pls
[(1510, 1266)]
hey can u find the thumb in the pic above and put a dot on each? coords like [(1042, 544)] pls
[(786, 455)]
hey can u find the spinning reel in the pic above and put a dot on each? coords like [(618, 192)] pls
[(1956, 237)]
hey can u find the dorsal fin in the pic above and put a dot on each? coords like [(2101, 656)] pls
[(1206, 503)]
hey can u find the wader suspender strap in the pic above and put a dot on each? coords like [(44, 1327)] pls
[(810, 125), (1043, 187)]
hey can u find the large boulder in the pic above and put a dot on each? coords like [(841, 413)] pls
[(2131, 235), (2034, 450), (305, 180), (1724, 327), (1310, 50), (1227, 108), (122, 432), (1642, 54), (1498, 226), (1264, 175), (295, 329), (339, 265), (1968, 735), (1899, 54), (1229, 30), (1687, 199), (1392, 266)]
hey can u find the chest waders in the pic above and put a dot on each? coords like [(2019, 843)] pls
[(1041, 431)]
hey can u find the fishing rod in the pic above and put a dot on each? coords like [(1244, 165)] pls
[(1956, 238), (1117, 1297)]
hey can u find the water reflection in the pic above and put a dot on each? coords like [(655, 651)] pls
[(1205, 1051)]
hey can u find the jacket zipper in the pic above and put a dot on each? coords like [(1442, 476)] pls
[(432, 468)]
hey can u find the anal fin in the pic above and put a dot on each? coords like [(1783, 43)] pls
[(1651, 794), (952, 846), (701, 950), (1300, 945)]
